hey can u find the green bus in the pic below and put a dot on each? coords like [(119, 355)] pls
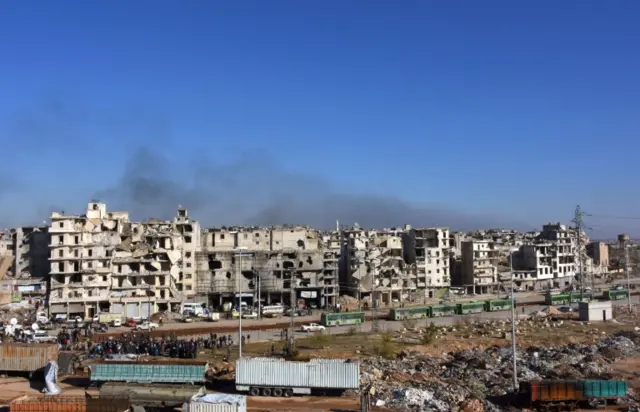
[(342, 318), (418, 312), (469, 307), (576, 297), (437, 311), (616, 294), (560, 299), (498, 304)]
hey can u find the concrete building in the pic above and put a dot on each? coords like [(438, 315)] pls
[(372, 266), (479, 270), (103, 262), (24, 265), (599, 252), (428, 253), (268, 263), (549, 261)]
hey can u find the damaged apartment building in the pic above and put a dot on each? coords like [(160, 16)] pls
[(393, 265), (550, 261), (103, 262), (24, 264), (271, 264), (372, 266)]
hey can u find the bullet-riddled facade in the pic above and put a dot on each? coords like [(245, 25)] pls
[(103, 262), (266, 262)]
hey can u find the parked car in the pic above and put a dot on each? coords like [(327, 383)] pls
[(249, 315), (42, 337), (312, 327), (565, 309), (147, 326), (131, 323)]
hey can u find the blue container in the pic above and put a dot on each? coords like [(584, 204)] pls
[(598, 389), (149, 372)]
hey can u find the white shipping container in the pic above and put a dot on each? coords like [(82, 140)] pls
[(216, 403), (269, 372)]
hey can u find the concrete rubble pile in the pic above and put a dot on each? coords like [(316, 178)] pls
[(474, 380)]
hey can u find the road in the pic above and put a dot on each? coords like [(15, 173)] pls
[(274, 335), (252, 326)]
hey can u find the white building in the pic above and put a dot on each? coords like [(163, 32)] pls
[(102, 262), (549, 261), (479, 270), (428, 251)]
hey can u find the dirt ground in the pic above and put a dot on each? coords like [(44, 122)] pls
[(464, 335)]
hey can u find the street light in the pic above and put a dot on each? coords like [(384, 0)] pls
[(239, 250), (513, 323)]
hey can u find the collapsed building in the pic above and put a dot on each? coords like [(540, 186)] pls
[(103, 262), (394, 265), (273, 265), (24, 265)]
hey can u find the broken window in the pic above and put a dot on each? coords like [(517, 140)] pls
[(61, 267), (188, 265), (90, 252), (215, 264), (257, 234), (60, 253), (228, 275), (94, 206), (76, 253), (221, 236), (61, 224), (188, 287), (76, 239), (188, 254), (61, 239), (187, 276), (187, 239)]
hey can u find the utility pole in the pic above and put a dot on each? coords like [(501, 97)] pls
[(624, 243), (578, 221), (513, 327), (374, 303)]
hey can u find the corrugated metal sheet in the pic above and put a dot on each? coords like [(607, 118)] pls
[(315, 374), (76, 307), (26, 357), (334, 375), (145, 372), (148, 394), (58, 308), (217, 403), (133, 310), (68, 404), (117, 308), (604, 389)]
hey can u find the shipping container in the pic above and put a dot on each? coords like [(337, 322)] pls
[(165, 371), (600, 389), (68, 404), (151, 394), (552, 391), (216, 403), (268, 376), (22, 357)]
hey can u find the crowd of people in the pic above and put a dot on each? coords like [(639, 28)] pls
[(129, 344)]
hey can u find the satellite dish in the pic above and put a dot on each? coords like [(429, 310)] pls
[(35, 326), (13, 321)]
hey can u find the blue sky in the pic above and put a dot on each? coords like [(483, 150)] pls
[(494, 107)]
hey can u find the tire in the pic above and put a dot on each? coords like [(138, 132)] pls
[(287, 393), (266, 391), (254, 391), (277, 392)]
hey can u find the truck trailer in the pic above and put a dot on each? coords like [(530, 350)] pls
[(277, 377)]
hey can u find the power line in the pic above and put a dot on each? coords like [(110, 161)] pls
[(579, 222), (612, 217)]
